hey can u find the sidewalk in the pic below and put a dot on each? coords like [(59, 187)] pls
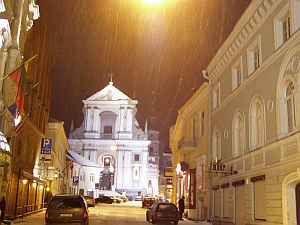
[(34, 218), (197, 222)]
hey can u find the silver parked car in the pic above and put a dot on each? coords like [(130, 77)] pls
[(67, 209)]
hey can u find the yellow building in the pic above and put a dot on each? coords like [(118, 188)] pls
[(189, 145), (20, 40)]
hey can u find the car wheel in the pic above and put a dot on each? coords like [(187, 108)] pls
[(152, 220), (175, 222)]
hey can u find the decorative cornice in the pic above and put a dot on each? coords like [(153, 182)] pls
[(256, 13)]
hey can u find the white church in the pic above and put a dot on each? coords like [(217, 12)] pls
[(110, 137)]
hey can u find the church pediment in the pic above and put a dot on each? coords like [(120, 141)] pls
[(109, 93)]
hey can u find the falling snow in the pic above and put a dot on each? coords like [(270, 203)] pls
[(155, 53)]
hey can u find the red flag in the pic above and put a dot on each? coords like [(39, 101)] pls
[(19, 77)]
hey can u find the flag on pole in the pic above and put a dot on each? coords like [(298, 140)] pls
[(19, 77)]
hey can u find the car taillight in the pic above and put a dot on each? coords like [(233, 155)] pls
[(85, 216), (46, 216)]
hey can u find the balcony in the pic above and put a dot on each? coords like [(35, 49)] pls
[(168, 172), (108, 136), (189, 144)]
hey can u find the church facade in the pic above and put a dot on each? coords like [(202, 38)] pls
[(110, 136)]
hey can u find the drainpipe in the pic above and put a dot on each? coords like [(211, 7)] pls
[(205, 75)]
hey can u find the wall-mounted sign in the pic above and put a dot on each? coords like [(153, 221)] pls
[(75, 180), (46, 146)]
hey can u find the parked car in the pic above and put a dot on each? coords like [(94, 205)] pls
[(147, 202), (137, 199), (90, 201), (104, 199), (163, 211), (116, 199), (124, 198), (67, 209)]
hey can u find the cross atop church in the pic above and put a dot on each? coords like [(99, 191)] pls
[(111, 78)]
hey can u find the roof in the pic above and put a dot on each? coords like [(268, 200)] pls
[(75, 157), (109, 93)]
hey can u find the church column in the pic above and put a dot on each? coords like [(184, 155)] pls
[(121, 117), (144, 177), (119, 170), (95, 120), (127, 169), (129, 119), (88, 118)]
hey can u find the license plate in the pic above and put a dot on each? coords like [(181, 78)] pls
[(66, 215)]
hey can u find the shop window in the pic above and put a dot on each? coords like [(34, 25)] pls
[(192, 189)]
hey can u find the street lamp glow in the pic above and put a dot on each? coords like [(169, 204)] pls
[(153, 2)]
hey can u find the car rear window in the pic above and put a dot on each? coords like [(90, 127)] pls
[(65, 203), (167, 207)]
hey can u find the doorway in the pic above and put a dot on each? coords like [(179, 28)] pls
[(297, 190)]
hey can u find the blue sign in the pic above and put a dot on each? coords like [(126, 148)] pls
[(75, 180), (46, 146)]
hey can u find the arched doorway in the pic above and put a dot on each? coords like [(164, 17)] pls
[(297, 192), (106, 180)]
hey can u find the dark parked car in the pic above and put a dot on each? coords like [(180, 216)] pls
[(147, 202), (108, 199), (163, 211), (67, 209), (90, 201)]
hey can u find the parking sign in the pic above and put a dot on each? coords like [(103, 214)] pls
[(75, 180), (46, 146)]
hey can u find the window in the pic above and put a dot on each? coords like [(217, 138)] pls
[(259, 200), (202, 125), (257, 124), (136, 157), (82, 176), (136, 173), (216, 154), (92, 177), (290, 107), (238, 135), (107, 161), (151, 153), (216, 96), (194, 128), (282, 26), (254, 56), (236, 74)]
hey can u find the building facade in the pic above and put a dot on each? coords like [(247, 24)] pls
[(255, 118), (20, 41), (55, 168), (189, 145), (110, 136)]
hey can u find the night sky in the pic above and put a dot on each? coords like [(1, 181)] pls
[(155, 53)]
